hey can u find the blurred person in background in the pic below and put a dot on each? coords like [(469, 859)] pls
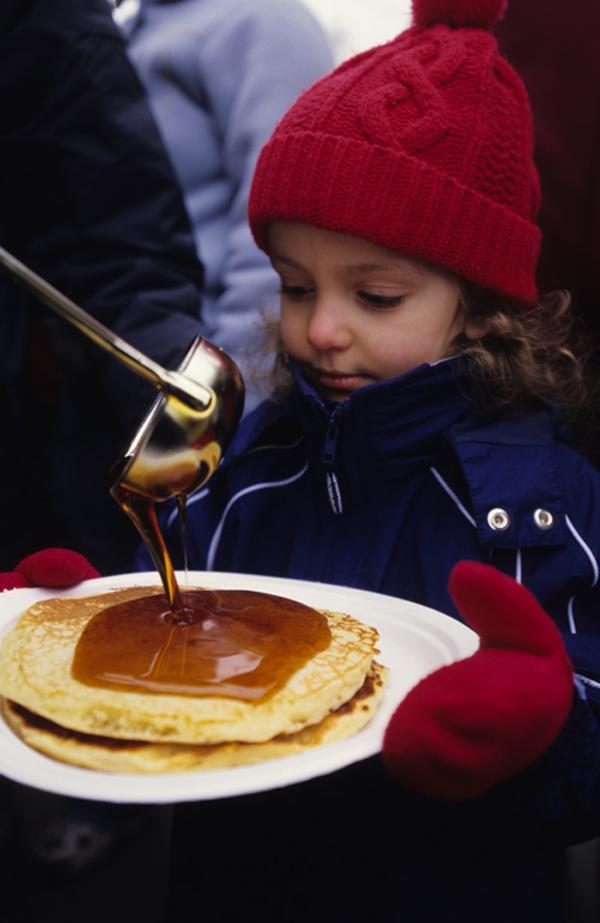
[(90, 201), (219, 74), (553, 47)]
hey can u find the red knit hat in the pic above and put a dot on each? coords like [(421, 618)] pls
[(423, 145)]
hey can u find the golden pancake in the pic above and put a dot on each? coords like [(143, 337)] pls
[(109, 755), (35, 672)]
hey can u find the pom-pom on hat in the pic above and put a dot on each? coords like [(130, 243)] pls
[(423, 145)]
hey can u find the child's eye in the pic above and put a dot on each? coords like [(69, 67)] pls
[(295, 292), (380, 301)]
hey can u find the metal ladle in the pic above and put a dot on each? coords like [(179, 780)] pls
[(185, 434)]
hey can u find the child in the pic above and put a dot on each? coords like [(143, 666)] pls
[(397, 202)]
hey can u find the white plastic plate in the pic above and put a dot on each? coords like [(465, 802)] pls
[(414, 641)]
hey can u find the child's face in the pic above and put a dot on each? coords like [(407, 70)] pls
[(353, 313)]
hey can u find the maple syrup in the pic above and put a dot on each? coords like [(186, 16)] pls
[(142, 512), (234, 643)]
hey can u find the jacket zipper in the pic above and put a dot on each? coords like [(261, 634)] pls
[(328, 459)]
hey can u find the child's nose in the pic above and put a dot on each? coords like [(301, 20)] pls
[(328, 327)]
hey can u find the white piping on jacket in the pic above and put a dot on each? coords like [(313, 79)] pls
[(594, 563), (203, 493), (581, 681), (571, 616), (453, 496), (212, 549), (263, 448), (519, 567), (586, 548), (587, 681)]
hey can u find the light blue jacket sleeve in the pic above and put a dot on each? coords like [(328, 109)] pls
[(219, 75), (254, 68)]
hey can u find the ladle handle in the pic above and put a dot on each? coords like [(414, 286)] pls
[(172, 382)]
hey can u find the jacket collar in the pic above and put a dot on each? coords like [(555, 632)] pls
[(508, 461), (393, 425)]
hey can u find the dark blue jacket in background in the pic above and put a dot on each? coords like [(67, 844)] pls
[(386, 492), (89, 199)]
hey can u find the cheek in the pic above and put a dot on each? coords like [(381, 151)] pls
[(429, 336), (397, 351), (289, 328)]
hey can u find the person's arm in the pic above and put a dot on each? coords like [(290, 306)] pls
[(89, 197), (90, 201)]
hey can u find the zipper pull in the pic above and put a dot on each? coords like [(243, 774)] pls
[(328, 458), (331, 438), (334, 493)]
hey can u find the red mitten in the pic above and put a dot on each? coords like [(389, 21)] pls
[(12, 580), (475, 723), (52, 567)]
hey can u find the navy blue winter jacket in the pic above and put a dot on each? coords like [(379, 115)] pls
[(386, 492)]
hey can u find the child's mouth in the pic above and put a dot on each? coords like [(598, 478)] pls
[(337, 382)]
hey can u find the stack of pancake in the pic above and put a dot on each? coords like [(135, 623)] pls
[(327, 699)]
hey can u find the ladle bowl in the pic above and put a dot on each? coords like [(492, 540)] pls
[(179, 445)]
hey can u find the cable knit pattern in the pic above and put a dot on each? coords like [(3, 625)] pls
[(423, 145)]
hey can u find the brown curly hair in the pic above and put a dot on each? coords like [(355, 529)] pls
[(524, 355)]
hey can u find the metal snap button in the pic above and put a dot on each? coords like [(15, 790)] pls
[(498, 519), (543, 519)]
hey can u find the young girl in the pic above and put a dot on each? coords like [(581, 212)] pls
[(416, 426)]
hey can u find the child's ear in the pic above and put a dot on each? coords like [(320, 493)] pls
[(476, 329)]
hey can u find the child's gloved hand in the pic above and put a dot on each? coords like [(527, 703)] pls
[(475, 723), (52, 567)]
